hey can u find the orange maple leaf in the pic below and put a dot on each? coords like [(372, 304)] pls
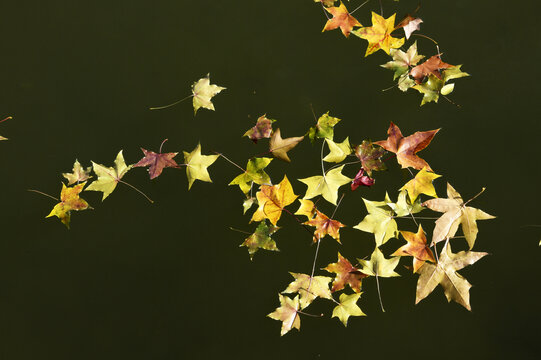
[(325, 226), (341, 19), (416, 247), (405, 148), (345, 274), (434, 65)]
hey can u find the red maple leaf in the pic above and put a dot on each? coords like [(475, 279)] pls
[(157, 161)]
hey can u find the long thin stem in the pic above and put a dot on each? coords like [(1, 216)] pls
[(136, 189), (231, 162), (381, 8), (324, 11), (426, 37), (297, 219), (379, 294), (172, 104), (360, 6), (8, 118), (322, 166), (337, 205), (314, 264), (42, 193), (311, 315), (241, 231)]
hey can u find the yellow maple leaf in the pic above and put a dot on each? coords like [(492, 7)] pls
[(69, 200), (272, 200), (379, 34)]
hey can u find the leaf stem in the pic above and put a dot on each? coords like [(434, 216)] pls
[(136, 189), (241, 231), (379, 294), (314, 264), (231, 162), (8, 118), (360, 6), (172, 104), (42, 193), (163, 142)]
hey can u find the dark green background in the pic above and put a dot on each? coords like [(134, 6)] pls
[(132, 280)]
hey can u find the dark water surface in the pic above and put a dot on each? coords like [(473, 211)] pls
[(132, 280)]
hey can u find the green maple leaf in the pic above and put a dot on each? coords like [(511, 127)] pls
[(254, 173), (379, 220), (444, 273), (370, 157), (339, 151), (433, 87), (404, 207), (324, 129), (202, 92), (261, 239), (197, 164), (309, 288), (403, 61), (347, 307), (326, 186), (378, 265), (109, 177)]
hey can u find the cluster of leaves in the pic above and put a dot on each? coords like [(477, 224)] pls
[(352, 164), (380, 220), (430, 77)]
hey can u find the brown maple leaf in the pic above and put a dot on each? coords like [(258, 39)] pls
[(341, 19), (433, 66), (416, 247), (405, 148), (262, 129), (279, 147), (325, 226), (157, 161), (346, 274)]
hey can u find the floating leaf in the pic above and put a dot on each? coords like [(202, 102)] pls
[(109, 177), (421, 184), (379, 220), (444, 273), (279, 147), (309, 288), (254, 173), (307, 209), (378, 265), (197, 164), (79, 174), (272, 200), (202, 92), (69, 200), (325, 226), (326, 186), (347, 307), (287, 314), (370, 157), (405, 148), (341, 19), (346, 274), (156, 162), (339, 151), (262, 129), (416, 247), (379, 34), (455, 213), (324, 129), (261, 239)]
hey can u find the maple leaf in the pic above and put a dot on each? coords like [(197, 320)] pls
[(108, 177), (409, 24), (279, 147), (326, 186), (402, 63), (405, 148), (287, 314), (272, 200), (79, 174), (347, 307), (404, 206), (69, 200), (341, 19), (262, 129), (261, 239), (370, 157), (156, 161), (339, 151), (361, 179), (324, 129), (202, 92), (415, 247), (254, 173), (325, 226), (433, 87), (197, 164), (309, 288), (379, 220), (379, 34), (433, 66), (307, 208), (346, 274), (378, 265), (444, 273), (421, 184), (455, 213)]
